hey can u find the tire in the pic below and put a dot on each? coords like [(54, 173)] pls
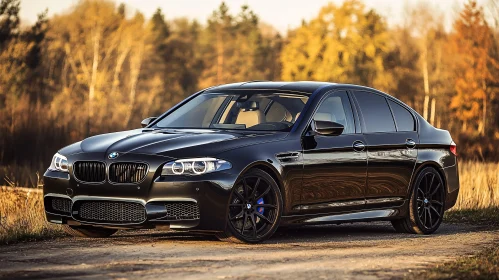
[(255, 209), (88, 231), (426, 205)]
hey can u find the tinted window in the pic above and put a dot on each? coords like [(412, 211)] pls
[(197, 113), (336, 108), (377, 115), (403, 119)]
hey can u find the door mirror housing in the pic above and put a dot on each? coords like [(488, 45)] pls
[(147, 121), (327, 128)]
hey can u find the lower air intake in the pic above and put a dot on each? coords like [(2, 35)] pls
[(181, 211), (58, 205), (111, 212)]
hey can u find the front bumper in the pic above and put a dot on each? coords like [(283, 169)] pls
[(209, 193)]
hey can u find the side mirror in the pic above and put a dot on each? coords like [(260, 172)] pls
[(327, 128), (147, 121)]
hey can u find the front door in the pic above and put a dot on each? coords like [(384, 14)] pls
[(335, 167)]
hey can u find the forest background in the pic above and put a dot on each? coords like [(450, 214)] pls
[(99, 68)]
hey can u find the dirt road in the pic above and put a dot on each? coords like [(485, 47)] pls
[(366, 250)]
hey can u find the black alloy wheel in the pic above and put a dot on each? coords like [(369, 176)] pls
[(426, 208), (430, 200), (254, 209)]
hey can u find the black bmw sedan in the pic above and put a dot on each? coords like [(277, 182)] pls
[(239, 160)]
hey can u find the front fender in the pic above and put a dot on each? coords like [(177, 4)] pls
[(287, 174)]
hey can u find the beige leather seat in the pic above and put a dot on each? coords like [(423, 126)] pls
[(250, 118)]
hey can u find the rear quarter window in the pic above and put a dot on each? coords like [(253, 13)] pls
[(403, 118)]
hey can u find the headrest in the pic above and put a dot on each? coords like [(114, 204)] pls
[(250, 118), (249, 105)]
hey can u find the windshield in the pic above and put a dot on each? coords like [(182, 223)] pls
[(251, 111)]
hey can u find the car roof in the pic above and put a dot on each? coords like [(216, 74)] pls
[(307, 87), (302, 86)]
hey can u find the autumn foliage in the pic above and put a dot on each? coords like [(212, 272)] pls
[(472, 42), (99, 68)]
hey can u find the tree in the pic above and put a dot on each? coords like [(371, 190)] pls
[(19, 58), (9, 20), (20, 61), (216, 42), (98, 55), (427, 26), (232, 48), (268, 60), (471, 41), (184, 62), (342, 44), (172, 66), (34, 56), (399, 62)]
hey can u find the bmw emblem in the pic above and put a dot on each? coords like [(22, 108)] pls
[(113, 155)]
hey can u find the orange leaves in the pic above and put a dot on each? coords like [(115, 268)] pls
[(471, 41), (344, 43)]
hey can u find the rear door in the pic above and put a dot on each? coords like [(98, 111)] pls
[(391, 139)]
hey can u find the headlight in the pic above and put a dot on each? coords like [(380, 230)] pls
[(59, 163), (194, 166)]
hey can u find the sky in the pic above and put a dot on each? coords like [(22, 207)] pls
[(282, 14)]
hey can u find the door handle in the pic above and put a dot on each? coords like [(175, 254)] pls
[(358, 146), (410, 143)]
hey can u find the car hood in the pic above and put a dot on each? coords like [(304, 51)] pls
[(171, 143)]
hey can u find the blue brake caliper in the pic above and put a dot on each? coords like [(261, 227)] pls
[(260, 209)]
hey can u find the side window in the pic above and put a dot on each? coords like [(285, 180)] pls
[(403, 118), (336, 108), (375, 111)]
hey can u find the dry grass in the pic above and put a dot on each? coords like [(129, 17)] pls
[(479, 186), (22, 216), (484, 265), (484, 217)]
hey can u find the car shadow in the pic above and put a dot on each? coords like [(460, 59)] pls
[(161, 235), (304, 234), (338, 233)]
